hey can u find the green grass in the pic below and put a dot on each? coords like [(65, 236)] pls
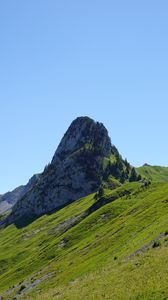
[(154, 173), (143, 277), (93, 259)]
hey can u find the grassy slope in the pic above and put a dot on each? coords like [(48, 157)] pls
[(94, 259), (154, 173)]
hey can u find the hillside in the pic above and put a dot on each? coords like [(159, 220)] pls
[(85, 251), (154, 173), (88, 227)]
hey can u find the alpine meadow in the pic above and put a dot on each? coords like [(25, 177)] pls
[(84, 150), (104, 238)]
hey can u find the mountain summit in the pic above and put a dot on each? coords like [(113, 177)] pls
[(84, 160), (83, 132)]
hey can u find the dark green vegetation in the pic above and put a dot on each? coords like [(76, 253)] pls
[(154, 173), (110, 246)]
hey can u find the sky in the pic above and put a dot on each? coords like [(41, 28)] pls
[(61, 59)]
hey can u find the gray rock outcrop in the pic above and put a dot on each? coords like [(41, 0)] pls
[(77, 169)]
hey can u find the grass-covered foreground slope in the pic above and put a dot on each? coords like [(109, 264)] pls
[(89, 251), (154, 173)]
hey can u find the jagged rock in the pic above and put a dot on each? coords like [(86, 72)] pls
[(80, 164)]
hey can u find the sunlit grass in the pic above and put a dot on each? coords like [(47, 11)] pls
[(92, 259)]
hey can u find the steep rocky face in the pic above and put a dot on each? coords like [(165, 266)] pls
[(82, 161), (83, 132)]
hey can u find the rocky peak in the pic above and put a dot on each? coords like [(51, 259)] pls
[(83, 132), (83, 161)]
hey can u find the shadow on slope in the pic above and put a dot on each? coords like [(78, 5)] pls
[(124, 190)]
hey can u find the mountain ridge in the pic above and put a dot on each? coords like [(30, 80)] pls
[(154, 173), (9, 199)]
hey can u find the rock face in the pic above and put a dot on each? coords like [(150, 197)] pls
[(77, 169), (83, 132)]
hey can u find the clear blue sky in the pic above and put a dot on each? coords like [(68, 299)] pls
[(60, 59)]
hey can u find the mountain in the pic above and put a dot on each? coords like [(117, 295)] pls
[(84, 161), (8, 200), (110, 244), (154, 173)]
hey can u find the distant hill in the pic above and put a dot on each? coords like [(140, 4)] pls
[(154, 173), (8, 200)]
